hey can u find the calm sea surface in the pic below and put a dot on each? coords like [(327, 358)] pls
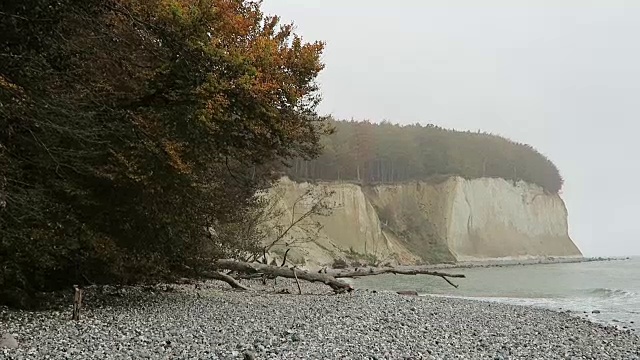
[(611, 287)]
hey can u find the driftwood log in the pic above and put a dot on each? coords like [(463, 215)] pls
[(411, 271), (332, 279), (338, 286)]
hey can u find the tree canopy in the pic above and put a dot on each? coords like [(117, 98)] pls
[(380, 153), (134, 134)]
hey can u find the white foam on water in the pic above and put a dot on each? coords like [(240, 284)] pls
[(614, 307)]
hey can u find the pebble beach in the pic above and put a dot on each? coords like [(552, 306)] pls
[(211, 321)]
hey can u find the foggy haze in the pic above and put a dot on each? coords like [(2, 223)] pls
[(563, 76)]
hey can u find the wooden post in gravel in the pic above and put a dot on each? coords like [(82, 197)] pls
[(77, 302)]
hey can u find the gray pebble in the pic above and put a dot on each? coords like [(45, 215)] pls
[(8, 341)]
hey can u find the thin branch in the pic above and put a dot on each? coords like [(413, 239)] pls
[(297, 281), (449, 281), (284, 260), (314, 210), (226, 278)]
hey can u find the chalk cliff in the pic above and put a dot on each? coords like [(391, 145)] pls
[(450, 219)]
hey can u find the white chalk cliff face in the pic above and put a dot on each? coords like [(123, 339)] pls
[(492, 218), (427, 222)]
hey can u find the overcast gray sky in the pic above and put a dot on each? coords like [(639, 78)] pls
[(563, 76)]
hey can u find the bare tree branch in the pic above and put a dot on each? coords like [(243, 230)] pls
[(319, 207), (226, 278)]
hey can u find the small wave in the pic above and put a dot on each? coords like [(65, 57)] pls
[(610, 293)]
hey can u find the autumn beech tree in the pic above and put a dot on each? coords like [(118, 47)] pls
[(135, 133)]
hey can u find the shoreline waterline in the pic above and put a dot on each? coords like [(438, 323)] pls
[(602, 291), (589, 315)]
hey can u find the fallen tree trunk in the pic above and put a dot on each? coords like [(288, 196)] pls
[(411, 271), (372, 271), (338, 286), (252, 270)]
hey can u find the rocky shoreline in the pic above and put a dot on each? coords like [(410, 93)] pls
[(211, 322)]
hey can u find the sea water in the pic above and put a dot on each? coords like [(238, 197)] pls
[(602, 291)]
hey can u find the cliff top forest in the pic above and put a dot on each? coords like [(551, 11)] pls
[(384, 153), (134, 135)]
